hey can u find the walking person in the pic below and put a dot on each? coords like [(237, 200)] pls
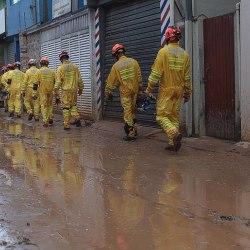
[(46, 82), (30, 91), (6, 84), (16, 78), (2, 88), (126, 74), (172, 70), (69, 79)]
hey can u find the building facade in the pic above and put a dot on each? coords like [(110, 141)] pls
[(88, 29)]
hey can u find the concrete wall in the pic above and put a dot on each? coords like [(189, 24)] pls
[(244, 73), (22, 15), (30, 47)]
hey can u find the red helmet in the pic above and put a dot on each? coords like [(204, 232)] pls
[(62, 54), (116, 49), (173, 33), (44, 60), (4, 69), (32, 62), (10, 66)]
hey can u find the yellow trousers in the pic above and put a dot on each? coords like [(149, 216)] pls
[(31, 104), (128, 103), (69, 102), (46, 101), (168, 108), (14, 102)]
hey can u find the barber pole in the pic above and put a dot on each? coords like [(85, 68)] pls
[(167, 17), (98, 62)]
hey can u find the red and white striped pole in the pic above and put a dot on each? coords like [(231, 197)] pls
[(98, 62), (167, 17)]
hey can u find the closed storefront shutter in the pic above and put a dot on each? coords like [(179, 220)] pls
[(51, 50), (137, 26), (10, 53), (77, 43)]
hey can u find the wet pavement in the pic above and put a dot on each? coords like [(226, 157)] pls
[(87, 189)]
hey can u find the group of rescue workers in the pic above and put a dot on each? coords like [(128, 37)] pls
[(38, 87)]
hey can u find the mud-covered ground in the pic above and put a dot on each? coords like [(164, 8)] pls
[(87, 189)]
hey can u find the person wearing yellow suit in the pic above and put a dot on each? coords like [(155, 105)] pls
[(172, 69), (16, 78), (30, 90), (126, 74), (6, 84), (2, 88), (46, 82), (69, 79)]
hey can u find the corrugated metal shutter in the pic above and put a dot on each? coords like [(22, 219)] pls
[(52, 49), (136, 25), (79, 49), (85, 69), (78, 46), (10, 53), (76, 40)]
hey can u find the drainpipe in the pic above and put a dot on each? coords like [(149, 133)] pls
[(237, 72), (189, 49)]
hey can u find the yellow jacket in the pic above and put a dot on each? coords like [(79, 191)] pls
[(17, 77), (126, 74), (172, 69), (30, 77), (68, 77), (4, 79), (46, 79)]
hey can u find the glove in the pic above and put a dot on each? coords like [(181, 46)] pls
[(109, 97), (79, 91), (35, 86)]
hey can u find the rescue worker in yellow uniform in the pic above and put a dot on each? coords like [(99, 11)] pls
[(6, 84), (2, 88), (30, 90), (172, 69), (126, 74), (46, 82), (69, 79), (16, 78)]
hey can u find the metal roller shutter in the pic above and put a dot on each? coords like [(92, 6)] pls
[(51, 49), (10, 53), (78, 46), (136, 25)]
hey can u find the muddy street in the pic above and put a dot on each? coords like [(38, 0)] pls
[(88, 189)]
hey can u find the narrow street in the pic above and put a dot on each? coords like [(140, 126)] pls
[(87, 189)]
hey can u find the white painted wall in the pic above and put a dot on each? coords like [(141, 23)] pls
[(245, 69), (2, 21), (212, 8)]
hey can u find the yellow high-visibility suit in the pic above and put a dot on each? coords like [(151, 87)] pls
[(172, 69), (31, 96), (126, 74), (17, 77), (68, 78), (46, 80), (6, 87)]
